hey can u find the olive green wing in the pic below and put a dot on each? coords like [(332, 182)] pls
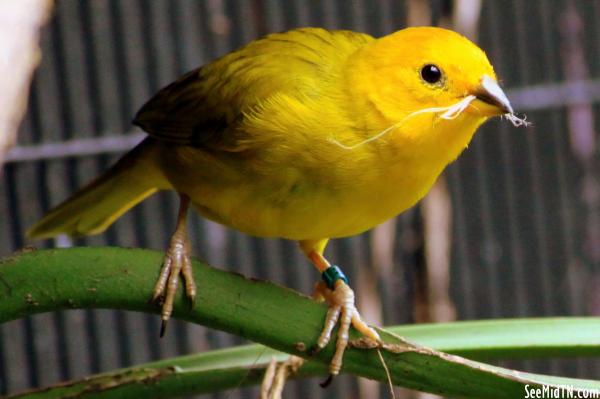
[(206, 106), (181, 112)]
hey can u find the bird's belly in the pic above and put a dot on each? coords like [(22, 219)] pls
[(301, 216), (300, 220), (288, 203)]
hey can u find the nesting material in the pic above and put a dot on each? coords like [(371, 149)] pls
[(450, 112)]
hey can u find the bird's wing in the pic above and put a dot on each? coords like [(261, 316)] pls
[(204, 106)]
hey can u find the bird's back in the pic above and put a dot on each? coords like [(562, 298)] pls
[(204, 106)]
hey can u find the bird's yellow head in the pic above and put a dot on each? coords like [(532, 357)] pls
[(432, 85)]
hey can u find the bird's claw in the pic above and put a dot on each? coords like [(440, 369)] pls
[(276, 375), (326, 383), (163, 328), (342, 310), (177, 261)]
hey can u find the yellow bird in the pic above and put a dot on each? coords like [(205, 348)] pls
[(306, 135)]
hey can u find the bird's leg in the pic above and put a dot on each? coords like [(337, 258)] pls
[(177, 261), (334, 290)]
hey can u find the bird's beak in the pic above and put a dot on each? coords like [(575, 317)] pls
[(491, 94)]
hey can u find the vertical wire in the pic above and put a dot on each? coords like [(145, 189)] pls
[(58, 319), (116, 24), (42, 128), (91, 73), (552, 74), (344, 13), (515, 232), (568, 44), (3, 374), (383, 22), (274, 16), (299, 14), (124, 99), (596, 40), (69, 181), (317, 14), (594, 62), (33, 366), (329, 16), (78, 65), (539, 207), (511, 196), (410, 243), (487, 252), (568, 55), (463, 272)]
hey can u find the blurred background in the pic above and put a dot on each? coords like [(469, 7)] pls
[(512, 229)]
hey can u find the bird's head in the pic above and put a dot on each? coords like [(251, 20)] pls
[(429, 83), (433, 67)]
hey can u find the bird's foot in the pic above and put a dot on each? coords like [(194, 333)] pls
[(177, 261), (276, 375), (342, 310)]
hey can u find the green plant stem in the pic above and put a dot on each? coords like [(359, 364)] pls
[(39, 281), (245, 365)]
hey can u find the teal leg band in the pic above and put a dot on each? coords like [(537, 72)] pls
[(333, 274)]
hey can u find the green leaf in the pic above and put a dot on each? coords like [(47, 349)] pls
[(510, 338), (47, 280)]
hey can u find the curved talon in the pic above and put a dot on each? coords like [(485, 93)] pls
[(161, 282), (327, 382), (192, 303), (163, 328), (153, 300), (188, 278)]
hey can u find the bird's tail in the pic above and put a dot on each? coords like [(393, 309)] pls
[(95, 207)]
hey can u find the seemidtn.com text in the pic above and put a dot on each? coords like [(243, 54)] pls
[(559, 392)]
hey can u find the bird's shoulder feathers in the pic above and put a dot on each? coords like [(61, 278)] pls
[(205, 106)]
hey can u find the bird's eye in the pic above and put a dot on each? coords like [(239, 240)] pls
[(431, 73)]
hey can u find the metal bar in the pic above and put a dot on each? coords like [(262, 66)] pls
[(528, 98), (108, 144), (545, 96)]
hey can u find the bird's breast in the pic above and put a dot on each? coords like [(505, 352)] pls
[(295, 203)]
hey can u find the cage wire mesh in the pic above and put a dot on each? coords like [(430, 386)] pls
[(525, 233)]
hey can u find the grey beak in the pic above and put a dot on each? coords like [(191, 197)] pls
[(491, 93)]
